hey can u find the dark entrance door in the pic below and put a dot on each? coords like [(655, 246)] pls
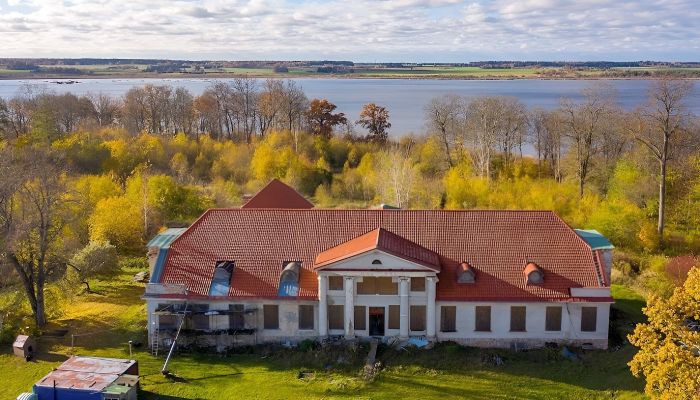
[(376, 321)]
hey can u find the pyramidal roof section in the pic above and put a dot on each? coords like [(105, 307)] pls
[(278, 195)]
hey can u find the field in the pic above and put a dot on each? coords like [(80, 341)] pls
[(422, 72), (116, 314)]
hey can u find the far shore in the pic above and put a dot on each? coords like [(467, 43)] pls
[(214, 76)]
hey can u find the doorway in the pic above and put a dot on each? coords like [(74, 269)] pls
[(376, 321)]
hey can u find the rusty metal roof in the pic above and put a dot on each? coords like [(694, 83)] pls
[(90, 373)]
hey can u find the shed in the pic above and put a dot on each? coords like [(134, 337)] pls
[(24, 346), (90, 378)]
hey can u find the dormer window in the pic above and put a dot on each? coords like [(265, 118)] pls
[(533, 274), (465, 273), (221, 281), (289, 279)]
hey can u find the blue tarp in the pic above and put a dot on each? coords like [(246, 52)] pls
[(288, 289), (595, 239)]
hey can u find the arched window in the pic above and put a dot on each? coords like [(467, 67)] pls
[(377, 262)]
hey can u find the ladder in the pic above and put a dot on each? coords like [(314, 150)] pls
[(155, 342)]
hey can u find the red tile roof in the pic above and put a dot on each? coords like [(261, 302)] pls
[(495, 243), (380, 239), (278, 195)]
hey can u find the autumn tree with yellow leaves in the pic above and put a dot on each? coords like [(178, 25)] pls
[(669, 343)]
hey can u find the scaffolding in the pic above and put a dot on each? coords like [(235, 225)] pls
[(185, 329)]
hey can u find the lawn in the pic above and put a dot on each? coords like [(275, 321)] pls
[(109, 319)]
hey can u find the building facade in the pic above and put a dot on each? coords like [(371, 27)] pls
[(279, 270)]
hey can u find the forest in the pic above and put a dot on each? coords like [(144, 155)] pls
[(87, 177)]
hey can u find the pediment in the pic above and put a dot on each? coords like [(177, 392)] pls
[(377, 260)]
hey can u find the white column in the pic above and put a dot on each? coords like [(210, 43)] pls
[(322, 306), (430, 308), (403, 306), (349, 307)]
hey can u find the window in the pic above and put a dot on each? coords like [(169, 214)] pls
[(167, 321), (306, 317), (517, 318), (377, 262), (221, 281), (200, 321), (271, 316), (377, 285), (418, 284), (394, 319), (553, 319), (588, 319), (236, 317), (483, 318), (360, 318), (335, 283), (448, 319), (417, 319), (336, 316)]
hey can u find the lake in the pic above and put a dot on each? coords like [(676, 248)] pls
[(405, 98)]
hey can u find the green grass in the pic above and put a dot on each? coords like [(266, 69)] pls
[(116, 314), (13, 71)]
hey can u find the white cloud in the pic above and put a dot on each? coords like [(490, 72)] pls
[(403, 30)]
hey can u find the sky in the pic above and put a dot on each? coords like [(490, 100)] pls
[(356, 30)]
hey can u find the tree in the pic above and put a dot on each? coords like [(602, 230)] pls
[(106, 108), (669, 343), (662, 128), (321, 118), (584, 123), (375, 119), (294, 103), (441, 114), (270, 104), (97, 258), (32, 206)]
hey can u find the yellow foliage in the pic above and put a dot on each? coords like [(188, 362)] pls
[(118, 220), (669, 350)]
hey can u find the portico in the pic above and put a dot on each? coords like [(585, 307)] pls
[(383, 285)]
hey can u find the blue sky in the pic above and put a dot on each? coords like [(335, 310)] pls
[(360, 30)]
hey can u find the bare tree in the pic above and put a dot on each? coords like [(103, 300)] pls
[(663, 127), (585, 122), (270, 104), (182, 111), (106, 108), (442, 115), (245, 94), (294, 104)]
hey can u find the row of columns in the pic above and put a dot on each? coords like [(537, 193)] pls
[(404, 307)]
